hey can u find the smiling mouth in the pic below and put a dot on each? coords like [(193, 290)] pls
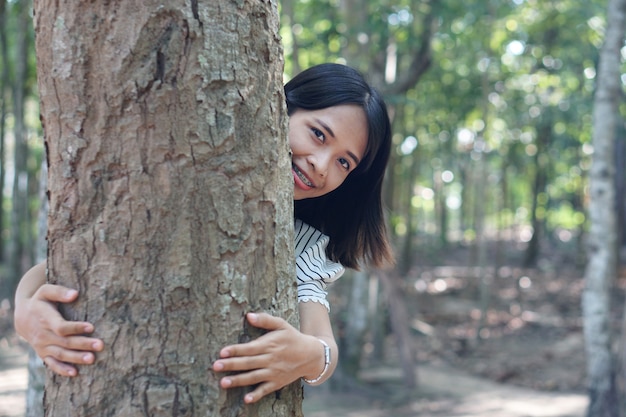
[(302, 177)]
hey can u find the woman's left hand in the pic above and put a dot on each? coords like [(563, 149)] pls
[(274, 360)]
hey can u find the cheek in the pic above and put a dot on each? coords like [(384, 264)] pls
[(294, 142), (335, 181)]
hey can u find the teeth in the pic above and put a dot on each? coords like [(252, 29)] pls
[(300, 175)]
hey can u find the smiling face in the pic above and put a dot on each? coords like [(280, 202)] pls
[(327, 145)]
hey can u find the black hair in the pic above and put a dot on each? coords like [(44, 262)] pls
[(352, 215)]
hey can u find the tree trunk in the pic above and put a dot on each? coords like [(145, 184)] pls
[(19, 200), (620, 186), (400, 324), (4, 86), (407, 259), (356, 325), (601, 270), (540, 181), (170, 202), (36, 368)]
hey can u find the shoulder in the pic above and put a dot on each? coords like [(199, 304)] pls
[(307, 236), (311, 259)]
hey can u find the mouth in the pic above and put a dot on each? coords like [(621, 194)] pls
[(303, 179)]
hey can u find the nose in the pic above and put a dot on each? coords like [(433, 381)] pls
[(320, 162)]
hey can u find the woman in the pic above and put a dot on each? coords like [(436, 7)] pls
[(340, 139)]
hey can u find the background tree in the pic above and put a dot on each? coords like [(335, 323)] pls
[(601, 269), (19, 248), (169, 196), (532, 130)]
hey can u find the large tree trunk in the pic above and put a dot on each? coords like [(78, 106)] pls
[(601, 269), (170, 202)]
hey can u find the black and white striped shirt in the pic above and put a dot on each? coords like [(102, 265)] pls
[(313, 268)]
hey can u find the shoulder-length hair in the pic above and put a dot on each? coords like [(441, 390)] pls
[(352, 215)]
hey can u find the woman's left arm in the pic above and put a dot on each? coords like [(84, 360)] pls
[(282, 355), (315, 321)]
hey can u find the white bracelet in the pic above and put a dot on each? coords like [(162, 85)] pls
[(326, 364)]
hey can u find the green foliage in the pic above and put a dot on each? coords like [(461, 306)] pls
[(502, 74), (499, 72)]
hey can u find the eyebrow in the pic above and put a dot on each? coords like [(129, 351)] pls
[(331, 133)]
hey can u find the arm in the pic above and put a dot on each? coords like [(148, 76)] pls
[(57, 341), (280, 356), (314, 321)]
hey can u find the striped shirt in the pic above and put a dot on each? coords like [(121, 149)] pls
[(314, 270)]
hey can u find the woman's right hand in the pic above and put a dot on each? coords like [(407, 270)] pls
[(60, 343)]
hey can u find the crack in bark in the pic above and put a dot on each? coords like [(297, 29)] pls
[(194, 11)]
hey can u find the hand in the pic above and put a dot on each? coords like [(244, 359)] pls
[(274, 360), (57, 341)]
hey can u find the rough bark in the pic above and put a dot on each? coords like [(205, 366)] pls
[(601, 269), (170, 196)]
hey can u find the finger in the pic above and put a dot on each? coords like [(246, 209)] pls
[(243, 349), (68, 356), (245, 363), (255, 347), (260, 392), (56, 293), (266, 321), (87, 344), (60, 368), (244, 379), (72, 328)]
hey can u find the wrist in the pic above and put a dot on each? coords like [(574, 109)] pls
[(327, 362)]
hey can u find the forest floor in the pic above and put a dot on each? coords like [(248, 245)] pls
[(525, 358)]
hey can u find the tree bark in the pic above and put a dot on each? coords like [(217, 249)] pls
[(601, 269), (170, 196)]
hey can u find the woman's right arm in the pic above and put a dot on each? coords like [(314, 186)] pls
[(60, 343)]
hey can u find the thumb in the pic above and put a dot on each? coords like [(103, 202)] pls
[(266, 321), (56, 293)]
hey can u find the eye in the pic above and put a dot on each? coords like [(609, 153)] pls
[(345, 163), (319, 134)]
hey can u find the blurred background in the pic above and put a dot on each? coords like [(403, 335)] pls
[(487, 195)]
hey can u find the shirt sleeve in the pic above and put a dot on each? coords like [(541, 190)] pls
[(314, 270)]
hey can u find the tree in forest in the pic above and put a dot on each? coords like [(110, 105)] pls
[(602, 251), (16, 248), (169, 196)]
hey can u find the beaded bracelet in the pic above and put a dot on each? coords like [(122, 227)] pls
[(326, 364)]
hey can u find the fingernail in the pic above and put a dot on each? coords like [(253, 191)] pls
[(249, 398), (253, 316), (218, 366), (88, 358), (226, 382), (70, 293), (71, 372), (96, 346), (225, 353)]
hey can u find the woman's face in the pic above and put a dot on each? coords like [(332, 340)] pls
[(327, 145)]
